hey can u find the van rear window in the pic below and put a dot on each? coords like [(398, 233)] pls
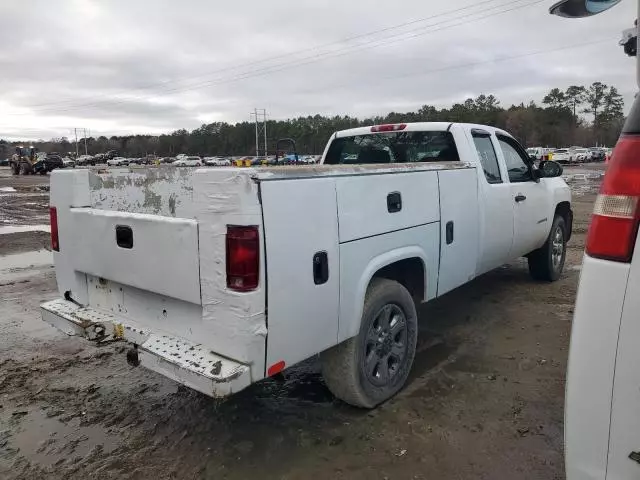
[(393, 147)]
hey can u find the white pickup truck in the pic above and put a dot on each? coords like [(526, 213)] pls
[(222, 277)]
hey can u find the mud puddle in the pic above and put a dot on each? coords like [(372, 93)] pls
[(48, 441), (16, 266), (8, 229)]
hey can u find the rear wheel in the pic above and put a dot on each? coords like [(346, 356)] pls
[(24, 169), (547, 262), (371, 367), (15, 169)]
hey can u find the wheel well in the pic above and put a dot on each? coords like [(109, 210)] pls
[(564, 210), (409, 273)]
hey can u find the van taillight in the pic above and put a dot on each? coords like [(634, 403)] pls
[(53, 218), (243, 258), (614, 225)]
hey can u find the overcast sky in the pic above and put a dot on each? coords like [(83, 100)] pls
[(150, 66)]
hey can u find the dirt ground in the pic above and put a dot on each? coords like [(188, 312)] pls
[(484, 400)]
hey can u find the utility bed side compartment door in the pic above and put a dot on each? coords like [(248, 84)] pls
[(371, 205), (302, 266), (458, 228)]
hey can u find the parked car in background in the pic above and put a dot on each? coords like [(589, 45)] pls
[(188, 162), (579, 155), (68, 162), (596, 154), (217, 161), (561, 155), (47, 163), (118, 162), (84, 160), (164, 160), (535, 153)]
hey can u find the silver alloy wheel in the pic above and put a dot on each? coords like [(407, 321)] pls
[(557, 247), (385, 345)]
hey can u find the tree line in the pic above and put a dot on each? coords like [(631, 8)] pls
[(577, 115)]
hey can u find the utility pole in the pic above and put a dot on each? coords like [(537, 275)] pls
[(260, 115), (255, 110), (264, 128), (75, 130), (85, 142)]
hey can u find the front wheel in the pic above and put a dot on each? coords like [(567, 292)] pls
[(547, 262), (371, 367)]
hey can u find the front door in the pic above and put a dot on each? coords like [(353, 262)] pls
[(531, 223)]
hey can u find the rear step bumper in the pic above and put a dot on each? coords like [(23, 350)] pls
[(187, 363)]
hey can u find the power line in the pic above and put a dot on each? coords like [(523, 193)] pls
[(471, 64), (312, 59), (289, 54)]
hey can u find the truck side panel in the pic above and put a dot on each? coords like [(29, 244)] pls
[(458, 228), (361, 259), (301, 235)]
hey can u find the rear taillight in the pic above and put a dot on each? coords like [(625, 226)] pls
[(53, 217), (243, 258), (393, 127), (614, 226)]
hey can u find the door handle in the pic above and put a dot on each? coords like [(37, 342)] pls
[(394, 202), (320, 268), (124, 236), (520, 198), (449, 233)]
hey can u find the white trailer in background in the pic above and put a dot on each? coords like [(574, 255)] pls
[(222, 277)]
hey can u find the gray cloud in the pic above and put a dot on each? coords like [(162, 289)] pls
[(151, 66)]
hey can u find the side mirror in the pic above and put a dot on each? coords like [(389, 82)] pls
[(581, 8), (549, 169)]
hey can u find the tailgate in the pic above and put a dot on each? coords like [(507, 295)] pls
[(153, 252)]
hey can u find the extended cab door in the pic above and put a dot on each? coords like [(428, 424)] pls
[(496, 205), (529, 198)]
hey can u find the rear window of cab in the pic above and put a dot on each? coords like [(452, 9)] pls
[(393, 147)]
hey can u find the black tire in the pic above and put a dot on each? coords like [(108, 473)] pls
[(547, 263), (15, 169), (23, 169), (344, 367)]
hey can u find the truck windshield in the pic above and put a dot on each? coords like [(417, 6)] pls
[(393, 147)]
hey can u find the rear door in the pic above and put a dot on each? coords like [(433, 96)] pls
[(458, 228), (495, 204), (302, 265), (530, 199)]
